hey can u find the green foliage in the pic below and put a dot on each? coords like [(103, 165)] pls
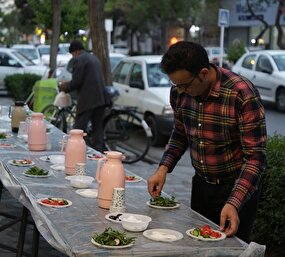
[(235, 50), (20, 86), (269, 225)]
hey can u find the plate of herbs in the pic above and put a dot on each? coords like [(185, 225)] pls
[(161, 202), (36, 172), (112, 239)]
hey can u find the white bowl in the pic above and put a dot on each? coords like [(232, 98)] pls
[(57, 158), (80, 181), (135, 222)]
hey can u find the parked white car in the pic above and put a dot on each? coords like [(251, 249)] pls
[(266, 70), (62, 56), (12, 62), (29, 51), (142, 84), (214, 53)]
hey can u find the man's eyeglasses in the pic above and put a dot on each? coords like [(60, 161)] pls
[(183, 85)]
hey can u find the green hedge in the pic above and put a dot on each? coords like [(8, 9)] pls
[(269, 226), (20, 86)]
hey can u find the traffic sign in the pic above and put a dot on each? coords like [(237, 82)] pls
[(224, 17)]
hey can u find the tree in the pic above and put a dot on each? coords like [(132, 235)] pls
[(99, 36), (56, 7), (280, 11)]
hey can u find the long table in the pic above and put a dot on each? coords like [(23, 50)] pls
[(69, 229)]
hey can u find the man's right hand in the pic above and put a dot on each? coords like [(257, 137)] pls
[(157, 180)]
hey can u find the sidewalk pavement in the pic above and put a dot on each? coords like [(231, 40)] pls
[(178, 184)]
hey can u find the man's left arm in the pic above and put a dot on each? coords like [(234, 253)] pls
[(253, 137)]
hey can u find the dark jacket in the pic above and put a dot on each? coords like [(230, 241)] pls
[(88, 81)]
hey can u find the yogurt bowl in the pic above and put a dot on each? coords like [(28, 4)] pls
[(57, 158), (80, 181), (135, 222)]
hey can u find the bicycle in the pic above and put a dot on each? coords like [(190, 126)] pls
[(126, 132), (61, 117)]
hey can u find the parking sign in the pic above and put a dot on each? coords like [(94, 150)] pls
[(224, 16)]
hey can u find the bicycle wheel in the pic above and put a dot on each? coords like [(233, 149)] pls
[(127, 133), (55, 116)]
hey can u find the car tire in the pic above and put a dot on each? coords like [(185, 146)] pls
[(280, 99), (157, 138)]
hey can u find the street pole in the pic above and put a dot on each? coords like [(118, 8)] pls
[(222, 45)]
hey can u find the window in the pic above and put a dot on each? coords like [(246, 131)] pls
[(280, 61), (121, 73), (263, 64), (249, 61), (136, 75), (6, 60), (155, 76)]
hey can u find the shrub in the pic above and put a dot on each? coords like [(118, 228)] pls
[(235, 51), (269, 225), (20, 86)]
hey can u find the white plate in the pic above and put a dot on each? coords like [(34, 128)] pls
[(21, 165), (7, 145), (188, 232), (111, 247), (45, 158), (137, 179), (163, 207), (54, 206), (163, 235), (37, 176), (58, 167), (107, 216), (89, 192), (95, 157)]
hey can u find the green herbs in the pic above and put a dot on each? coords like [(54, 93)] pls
[(3, 135), (36, 171), (163, 201), (113, 237)]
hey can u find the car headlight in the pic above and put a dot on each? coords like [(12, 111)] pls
[(167, 110)]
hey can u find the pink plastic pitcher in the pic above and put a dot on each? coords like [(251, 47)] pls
[(37, 138), (75, 150), (109, 175)]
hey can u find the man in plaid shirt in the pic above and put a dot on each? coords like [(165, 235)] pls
[(220, 117)]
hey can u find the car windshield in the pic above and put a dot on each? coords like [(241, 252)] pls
[(23, 59), (114, 61), (280, 61), (28, 52), (155, 76), (46, 50)]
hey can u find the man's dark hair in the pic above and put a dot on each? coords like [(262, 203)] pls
[(75, 45), (185, 56)]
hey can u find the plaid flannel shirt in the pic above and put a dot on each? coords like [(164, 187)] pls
[(226, 134)]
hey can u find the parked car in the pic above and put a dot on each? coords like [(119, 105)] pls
[(120, 48), (214, 53), (62, 56), (142, 84), (64, 74), (266, 70), (12, 62), (29, 51)]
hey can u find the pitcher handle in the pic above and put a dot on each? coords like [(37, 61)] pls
[(98, 169)]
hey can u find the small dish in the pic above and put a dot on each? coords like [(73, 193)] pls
[(163, 235), (132, 178), (94, 156), (110, 246), (163, 207), (45, 158), (37, 176), (135, 222), (114, 217), (80, 181), (223, 236), (40, 201), (57, 158), (7, 145), (21, 163), (89, 192), (58, 167)]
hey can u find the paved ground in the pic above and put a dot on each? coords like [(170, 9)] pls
[(178, 184)]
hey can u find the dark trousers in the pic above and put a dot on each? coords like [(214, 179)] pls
[(96, 117), (208, 200)]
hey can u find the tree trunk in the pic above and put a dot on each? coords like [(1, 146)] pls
[(99, 36), (279, 28), (56, 6)]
